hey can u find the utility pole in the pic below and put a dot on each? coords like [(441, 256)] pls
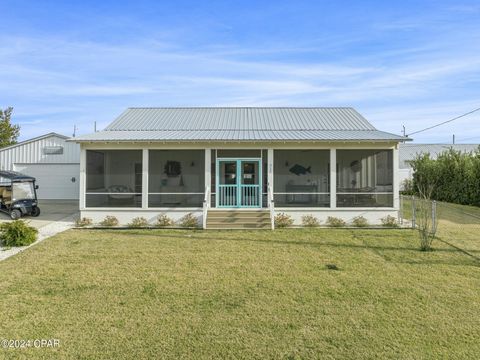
[(403, 130), (453, 139), (74, 130), (94, 126)]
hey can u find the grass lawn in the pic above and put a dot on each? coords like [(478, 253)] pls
[(457, 224), (241, 294)]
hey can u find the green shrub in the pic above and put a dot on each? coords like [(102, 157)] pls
[(17, 233), (389, 221), (109, 221), (138, 222), (360, 221), (188, 221), (81, 222), (283, 220), (335, 222), (310, 221), (163, 221), (407, 186), (454, 176)]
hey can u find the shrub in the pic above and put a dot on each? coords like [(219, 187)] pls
[(81, 222), (360, 221), (310, 221), (389, 221), (188, 221), (17, 233), (109, 221), (426, 225), (283, 220), (138, 222), (407, 186), (454, 176), (163, 220), (335, 222)]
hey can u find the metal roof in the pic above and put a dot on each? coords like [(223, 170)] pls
[(408, 152), (35, 139), (240, 124)]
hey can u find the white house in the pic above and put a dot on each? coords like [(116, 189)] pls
[(51, 160), (409, 152), (239, 166)]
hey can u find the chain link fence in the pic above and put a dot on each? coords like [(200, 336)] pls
[(458, 225)]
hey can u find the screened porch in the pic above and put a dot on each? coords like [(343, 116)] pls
[(242, 178)]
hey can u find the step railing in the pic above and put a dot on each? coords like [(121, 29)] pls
[(271, 206), (206, 206)]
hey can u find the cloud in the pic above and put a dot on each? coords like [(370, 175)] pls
[(60, 81)]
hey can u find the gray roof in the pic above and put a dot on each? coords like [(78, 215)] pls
[(408, 152), (240, 124), (35, 139)]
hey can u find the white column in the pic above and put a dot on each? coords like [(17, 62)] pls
[(270, 171), (333, 178), (82, 180), (145, 178), (208, 172), (396, 179)]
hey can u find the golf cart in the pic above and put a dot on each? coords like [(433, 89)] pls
[(18, 195)]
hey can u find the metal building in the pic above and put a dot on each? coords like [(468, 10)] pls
[(51, 160)]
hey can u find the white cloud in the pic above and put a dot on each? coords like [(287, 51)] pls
[(63, 82)]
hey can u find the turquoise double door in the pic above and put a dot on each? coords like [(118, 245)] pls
[(238, 183)]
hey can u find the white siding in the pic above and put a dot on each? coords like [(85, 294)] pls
[(32, 153), (55, 181)]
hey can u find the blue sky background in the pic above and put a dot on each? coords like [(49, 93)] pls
[(412, 63)]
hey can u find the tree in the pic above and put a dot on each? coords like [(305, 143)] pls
[(8, 133), (425, 179)]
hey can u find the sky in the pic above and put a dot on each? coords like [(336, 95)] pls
[(399, 63)]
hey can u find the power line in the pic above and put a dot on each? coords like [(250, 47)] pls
[(445, 122)]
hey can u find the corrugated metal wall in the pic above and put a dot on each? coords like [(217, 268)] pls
[(33, 153)]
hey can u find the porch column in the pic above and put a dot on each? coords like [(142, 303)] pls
[(208, 172), (333, 178), (396, 179), (82, 180), (144, 178), (270, 172)]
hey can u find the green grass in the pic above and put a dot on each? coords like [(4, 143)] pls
[(139, 294), (457, 224)]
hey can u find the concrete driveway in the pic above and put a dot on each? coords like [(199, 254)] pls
[(51, 211)]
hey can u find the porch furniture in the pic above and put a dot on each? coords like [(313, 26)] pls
[(173, 186), (357, 196), (303, 197)]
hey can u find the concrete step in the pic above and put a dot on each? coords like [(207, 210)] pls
[(238, 226), (239, 216), (235, 219)]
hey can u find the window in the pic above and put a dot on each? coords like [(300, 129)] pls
[(53, 150), (113, 178), (301, 178), (364, 178), (176, 178)]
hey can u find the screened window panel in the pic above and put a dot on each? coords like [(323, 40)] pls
[(176, 178), (114, 178), (364, 178), (301, 178)]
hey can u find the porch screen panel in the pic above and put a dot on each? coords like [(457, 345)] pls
[(176, 178), (364, 178), (301, 178), (113, 178)]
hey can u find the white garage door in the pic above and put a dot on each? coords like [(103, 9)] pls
[(54, 180)]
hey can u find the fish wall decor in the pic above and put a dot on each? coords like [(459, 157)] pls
[(300, 170)]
